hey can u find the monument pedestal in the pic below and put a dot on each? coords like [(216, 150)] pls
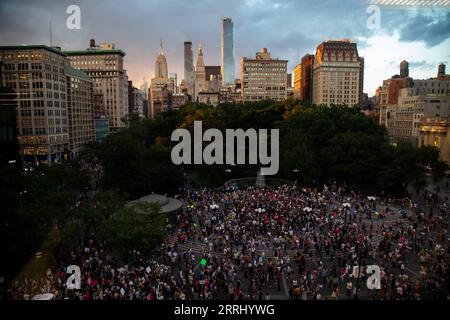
[(260, 179)]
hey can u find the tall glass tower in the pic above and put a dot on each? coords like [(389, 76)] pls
[(227, 48), (189, 67)]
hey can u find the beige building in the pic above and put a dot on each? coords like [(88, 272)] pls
[(200, 74), (403, 119), (160, 86), (80, 108), (263, 78), (436, 133), (338, 73), (178, 100), (210, 98), (213, 84), (389, 92), (383, 101), (159, 93), (230, 95), (104, 65), (37, 74)]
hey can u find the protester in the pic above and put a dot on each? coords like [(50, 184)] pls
[(294, 243)]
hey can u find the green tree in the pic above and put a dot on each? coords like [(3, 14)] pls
[(136, 226)]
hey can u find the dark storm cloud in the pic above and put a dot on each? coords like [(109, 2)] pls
[(288, 28), (428, 29)]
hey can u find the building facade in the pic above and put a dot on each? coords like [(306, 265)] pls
[(200, 74), (173, 82), (9, 145), (138, 103), (179, 100), (104, 65), (390, 90), (289, 80), (303, 75), (297, 80), (337, 74), (161, 70), (37, 75), (80, 110), (189, 72), (404, 118), (306, 81), (160, 95), (160, 86), (227, 52), (210, 98), (436, 133), (263, 78)]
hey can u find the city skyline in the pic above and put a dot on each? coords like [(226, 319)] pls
[(420, 36), (224, 150)]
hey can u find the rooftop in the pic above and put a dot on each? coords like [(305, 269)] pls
[(33, 47), (90, 52)]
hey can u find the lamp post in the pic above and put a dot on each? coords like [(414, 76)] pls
[(296, 173), (346, 207)]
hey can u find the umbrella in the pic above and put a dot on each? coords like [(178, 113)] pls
[(44, 296)]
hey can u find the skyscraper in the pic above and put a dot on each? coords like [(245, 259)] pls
[(199, 73), (227, 51), (337, 74), (159, 93), (189, 68), (161, 64), (104, 65), (173, 82), (37, 74)]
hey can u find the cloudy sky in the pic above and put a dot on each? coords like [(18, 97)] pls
[(288, 28)]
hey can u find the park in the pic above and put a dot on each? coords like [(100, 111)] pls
[(343, 197)]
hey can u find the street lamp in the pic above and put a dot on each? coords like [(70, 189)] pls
[(296, 172), (346, 206)]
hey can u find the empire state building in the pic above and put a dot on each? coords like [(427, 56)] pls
[(161, 65), (159, 91)]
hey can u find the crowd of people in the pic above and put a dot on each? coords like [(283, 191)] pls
[(271, 243)]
